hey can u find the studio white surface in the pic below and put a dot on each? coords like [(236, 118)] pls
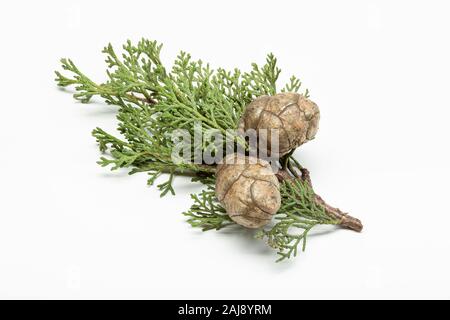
[(379, 71)]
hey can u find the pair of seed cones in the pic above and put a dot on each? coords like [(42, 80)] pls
[(249, 187)]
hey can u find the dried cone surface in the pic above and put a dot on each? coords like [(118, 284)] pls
[(295, 117), (248, 189)]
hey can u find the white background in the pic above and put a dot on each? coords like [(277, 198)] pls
[(379, 70)]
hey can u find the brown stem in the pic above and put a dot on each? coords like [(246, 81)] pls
[(345, 220), (143, 99)]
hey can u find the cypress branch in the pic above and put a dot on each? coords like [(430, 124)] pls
[(154, 100)]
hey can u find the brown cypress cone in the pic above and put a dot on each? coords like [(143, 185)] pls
[(248, 189), (295, 116)]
